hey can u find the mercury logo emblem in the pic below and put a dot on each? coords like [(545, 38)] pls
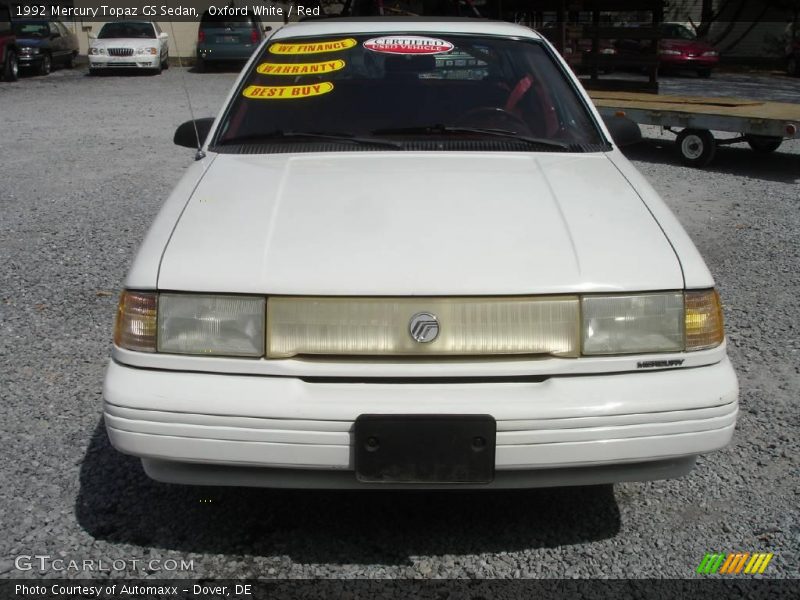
[(423, 327)]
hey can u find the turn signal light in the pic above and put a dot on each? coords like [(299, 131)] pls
[(703, 320), (136, 328)]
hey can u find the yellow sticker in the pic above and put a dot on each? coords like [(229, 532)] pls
[(300, 68), (312, 47), (287, 92)]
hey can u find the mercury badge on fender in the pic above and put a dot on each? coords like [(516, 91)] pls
[(391, 269)]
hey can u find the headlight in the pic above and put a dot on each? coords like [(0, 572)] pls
[(97, 51), (704, 326), (151, 51), (628, 324), (29, 50), (135, 328), (211, 325), (670, 52), (710, 53)]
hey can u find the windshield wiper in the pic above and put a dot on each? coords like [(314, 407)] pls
[(445, 129), (332, 136)]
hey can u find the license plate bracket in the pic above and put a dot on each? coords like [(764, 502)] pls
[(425, 448)]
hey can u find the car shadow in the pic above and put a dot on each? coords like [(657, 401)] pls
[(116, 72), (732, 160), (118, 503)]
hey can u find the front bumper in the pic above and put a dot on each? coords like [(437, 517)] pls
[(142, 61), (214, 429), (689, 62), (29, 60), (225, 52)]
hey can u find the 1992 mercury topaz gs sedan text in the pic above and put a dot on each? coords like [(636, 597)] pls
[(410, 255)]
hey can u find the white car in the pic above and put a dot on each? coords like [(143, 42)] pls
[(388, 269), (129, 45)]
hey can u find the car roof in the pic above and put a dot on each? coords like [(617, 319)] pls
[(433, 25)]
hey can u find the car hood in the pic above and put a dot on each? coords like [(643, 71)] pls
[(695, 47), (416, 224), (124, 43)]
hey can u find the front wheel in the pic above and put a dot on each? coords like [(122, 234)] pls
[(11, 68), (46, 65), (697, 147), (763, 144)]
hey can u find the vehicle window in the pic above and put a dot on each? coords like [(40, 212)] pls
[(677, 32), (124, 29), (5, 19), (209, 21), (62, 29), (409, 87), (31, 28), (54, 29)]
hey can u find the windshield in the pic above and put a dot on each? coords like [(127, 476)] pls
[(401, 88), (31, 28), (673, 31), (126, 30)]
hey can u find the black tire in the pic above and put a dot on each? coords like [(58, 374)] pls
[(94, 72), (165, 64), (763, 144), (46, 65), (200, 65), (697, 147), (704, 73), (70, 62), (11, 68)]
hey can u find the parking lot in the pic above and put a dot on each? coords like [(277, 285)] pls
[(87, 162)]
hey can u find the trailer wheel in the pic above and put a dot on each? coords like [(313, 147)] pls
[(763, 144), (697, 147)]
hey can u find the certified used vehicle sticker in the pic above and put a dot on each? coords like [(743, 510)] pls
[(408, 44), (300, 68), (287, 92), (312, 47)]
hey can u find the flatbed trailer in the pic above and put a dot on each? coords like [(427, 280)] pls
[(763, 125)]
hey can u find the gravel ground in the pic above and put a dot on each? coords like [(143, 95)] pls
[(86, 164)]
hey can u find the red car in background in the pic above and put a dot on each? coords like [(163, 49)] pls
[(9, 65), (681, 50)]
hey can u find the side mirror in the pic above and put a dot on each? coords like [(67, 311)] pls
[(163, 35), (623, 131), (186, 136), (267, 28)]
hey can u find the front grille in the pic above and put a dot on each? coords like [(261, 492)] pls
[(120, 51), (422, 326)]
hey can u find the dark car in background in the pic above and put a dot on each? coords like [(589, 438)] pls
[(9, 67), (45, 44), (225, 39)]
